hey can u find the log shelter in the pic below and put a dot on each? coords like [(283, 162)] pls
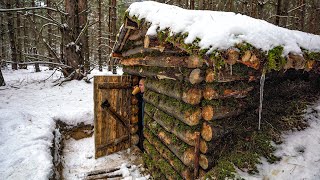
[(190, 93)]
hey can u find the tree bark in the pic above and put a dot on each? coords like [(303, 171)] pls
[(164, 61), (184, 152), (34, 49), (2, 35), (186, 113), (25, 34), (176, 90), (18, 35), (170, 124), (112, 31), (161, 163), (100, 35), (238, 90), (154, 145), (192, 76), (278, 12), (2, 82), (73, 38), (50, 40), (12, 36)]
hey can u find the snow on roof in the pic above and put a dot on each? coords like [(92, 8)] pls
[(221, 30)]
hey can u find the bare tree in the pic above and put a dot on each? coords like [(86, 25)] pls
[(112, 31), (2, 83), (50, 39), (2, 35), (99, 34), (11, 32), (18, 34)]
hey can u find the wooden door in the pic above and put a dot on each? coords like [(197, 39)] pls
[(112, 114)]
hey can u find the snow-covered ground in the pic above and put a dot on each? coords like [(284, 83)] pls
[(79, 160), (300, 153), (29, 107)]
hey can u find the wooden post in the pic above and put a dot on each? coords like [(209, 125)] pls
[(197, 154)]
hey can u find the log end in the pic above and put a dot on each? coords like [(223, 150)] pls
[(193, 117), (209, 93), (209, 78), (195, 76), (207, 112), (192, 96), (206, 131)]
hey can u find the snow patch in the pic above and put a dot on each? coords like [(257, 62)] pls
[(221, 30)]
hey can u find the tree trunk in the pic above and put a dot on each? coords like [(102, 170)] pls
[(186, 113), (25, 35), (18, 35), (49, 33), (302, 14), (278, 12), (112, 32), (192, 4), (12, 40), (34, 49), (83, 23), (73, 38), (100, 35), (201, 4), (2, 82), (2, 35)]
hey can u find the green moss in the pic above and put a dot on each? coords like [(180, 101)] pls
[(312, 55), (223, 170), (243, 47), (218, 61), (275, 60)]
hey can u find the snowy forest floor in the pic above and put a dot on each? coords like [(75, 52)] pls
[(30, 108)]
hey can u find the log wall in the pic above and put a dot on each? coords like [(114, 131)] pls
[(181, 102), (189, 92)]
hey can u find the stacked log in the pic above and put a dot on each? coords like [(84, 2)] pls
[(181, 102), (186, 95), (134, 140)]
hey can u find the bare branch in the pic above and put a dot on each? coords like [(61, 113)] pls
[(296, 8), (82, 31), (42, 27), (45, 18), (32, 8)]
